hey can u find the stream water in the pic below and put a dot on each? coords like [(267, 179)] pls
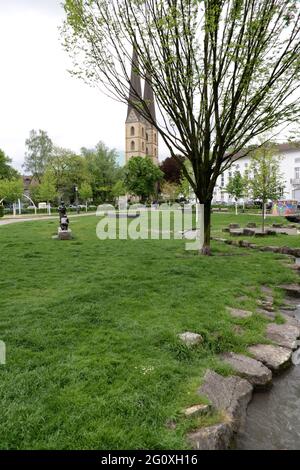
[(273, 417)]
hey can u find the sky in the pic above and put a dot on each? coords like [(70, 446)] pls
[(37, 91)]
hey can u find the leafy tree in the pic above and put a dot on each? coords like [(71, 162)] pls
[(101, 165), (236, 187), (85, 192), (223, 72), (170, 191), (264, 179), (47, 189), (6, 170), (39, 147), (172, 169), (119, 189), (11, 189), (141, 177), (68, 170)]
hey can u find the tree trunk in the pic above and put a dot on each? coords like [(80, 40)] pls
[(207, 222), (263, 216)]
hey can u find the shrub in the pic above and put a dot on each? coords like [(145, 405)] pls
[(1, 211)]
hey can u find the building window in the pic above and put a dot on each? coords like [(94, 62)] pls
[(154, 136), (147, 136), (143, 132), (132, 145), (147, 151), (143, 146), (297, 173), (222, 180), (132, 131)]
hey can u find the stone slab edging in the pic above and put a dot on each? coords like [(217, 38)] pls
[(285, 250), (231, 395)]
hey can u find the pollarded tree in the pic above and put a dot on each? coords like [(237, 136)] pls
[(223, 72), (236, 187), (141, 177), (264, 179)]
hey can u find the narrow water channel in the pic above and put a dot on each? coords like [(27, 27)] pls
[(273, 417)]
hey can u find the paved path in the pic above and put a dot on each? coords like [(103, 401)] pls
[(14, 220)]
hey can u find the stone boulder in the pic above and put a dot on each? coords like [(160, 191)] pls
[(230, 395), (238, 313), (217, 437), (269, 315), (248, 232), (190, 339), (197, 410), (274, 357), (231, 226), (291, 289), (251, 225), (284, 335), (254, 371)]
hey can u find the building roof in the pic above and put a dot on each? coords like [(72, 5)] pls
[(135, 92), (149, 96)]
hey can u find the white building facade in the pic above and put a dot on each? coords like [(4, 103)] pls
[(289, 168)]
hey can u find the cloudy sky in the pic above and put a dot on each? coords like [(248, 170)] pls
[(36, 90)]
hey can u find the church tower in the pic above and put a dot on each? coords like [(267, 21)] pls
[(141, 136), (151, 132)]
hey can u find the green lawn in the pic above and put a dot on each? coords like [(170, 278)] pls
[(93, 360), (221, 221)]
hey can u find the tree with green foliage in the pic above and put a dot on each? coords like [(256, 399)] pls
[(85, 193), (11, 190), (6, 170), (39, 148), (223, 72), (170, 191), (141, 177), (119, 189), (47, 191), (68, 170), (101, 165), (236, 188), (264, 179)]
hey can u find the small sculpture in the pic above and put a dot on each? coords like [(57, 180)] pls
[(63, 232)]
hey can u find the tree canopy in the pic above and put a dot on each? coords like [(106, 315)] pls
[(223, 72), (39, 147), (141, 177), (6, 170)]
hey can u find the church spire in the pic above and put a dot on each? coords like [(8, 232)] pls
[(135, 85), (149, 96)]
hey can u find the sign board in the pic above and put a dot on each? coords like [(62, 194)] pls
[(43, 205)]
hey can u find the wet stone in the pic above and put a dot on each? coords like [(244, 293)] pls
[(274, 357), (254, 371), (217, 437), (230, 395), (284, 335)]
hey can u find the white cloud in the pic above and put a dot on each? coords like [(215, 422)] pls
[(37, 92)]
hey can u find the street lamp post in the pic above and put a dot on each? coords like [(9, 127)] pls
[(76, 198)]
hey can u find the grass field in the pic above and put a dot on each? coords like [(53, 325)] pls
[(90, 326)]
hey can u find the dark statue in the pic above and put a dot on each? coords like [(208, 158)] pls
[(64, 221)]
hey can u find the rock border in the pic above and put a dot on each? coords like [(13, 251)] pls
[(231, 395)]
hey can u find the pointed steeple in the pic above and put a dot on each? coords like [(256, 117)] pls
[(135, 85), (149, 96)]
